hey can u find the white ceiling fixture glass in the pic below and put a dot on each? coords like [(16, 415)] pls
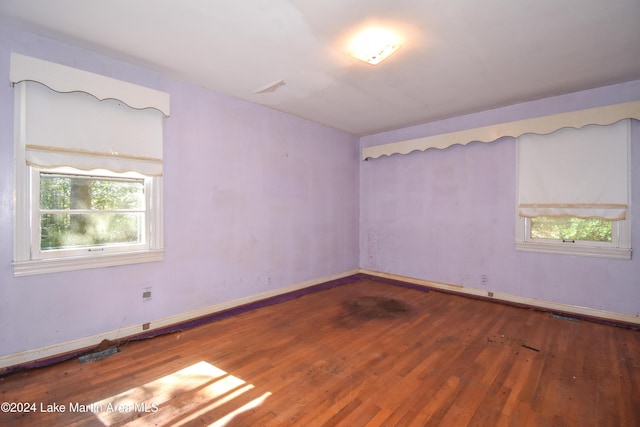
[(374, 45)]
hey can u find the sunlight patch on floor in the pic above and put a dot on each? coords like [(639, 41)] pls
[(179, 398)]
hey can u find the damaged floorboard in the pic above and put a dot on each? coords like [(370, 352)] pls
[(361, 354)]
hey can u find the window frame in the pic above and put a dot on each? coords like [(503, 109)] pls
[(28, 259), (618, 248), (36, 214)]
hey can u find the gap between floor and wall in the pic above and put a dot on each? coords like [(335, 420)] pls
[(63, 351)]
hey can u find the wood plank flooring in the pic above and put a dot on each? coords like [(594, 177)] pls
[(347, 356)]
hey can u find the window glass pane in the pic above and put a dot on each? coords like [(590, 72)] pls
[(81, 211), (99, 229), (54, 192), (74, 192), (589, 229)]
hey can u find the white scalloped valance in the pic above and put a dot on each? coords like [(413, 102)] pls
[(63, 79), (71, 118), (582, 173), (544, 125)]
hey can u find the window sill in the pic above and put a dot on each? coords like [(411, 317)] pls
[(56, 265), (563, 249)]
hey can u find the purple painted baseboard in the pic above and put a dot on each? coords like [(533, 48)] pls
[(189, 324), (280, 299)]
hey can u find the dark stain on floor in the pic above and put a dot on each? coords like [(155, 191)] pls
[(373, 307)]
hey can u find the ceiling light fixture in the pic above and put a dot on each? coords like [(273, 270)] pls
[(374, 45)]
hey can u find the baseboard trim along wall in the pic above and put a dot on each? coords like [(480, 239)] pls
[(584, 312), (57, 352)]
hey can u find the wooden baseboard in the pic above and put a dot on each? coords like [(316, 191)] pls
[(621, 319), (56, 352), (51, 354)]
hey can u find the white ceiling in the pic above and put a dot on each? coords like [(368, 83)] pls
[(457, 56)]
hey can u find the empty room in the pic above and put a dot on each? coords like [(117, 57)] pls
[(305, 213)]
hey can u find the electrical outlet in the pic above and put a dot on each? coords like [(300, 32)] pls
[(146, 294), (490, 293), (484, 280), (146, 326)]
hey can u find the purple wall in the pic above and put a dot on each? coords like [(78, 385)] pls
[(449, 215), (255, 200)]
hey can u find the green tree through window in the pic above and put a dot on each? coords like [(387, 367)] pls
[(77, 211), (571, 229)]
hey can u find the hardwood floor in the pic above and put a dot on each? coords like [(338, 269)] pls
[(361, 354)]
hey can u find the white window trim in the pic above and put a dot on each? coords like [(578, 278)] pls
[(57, 265), (619, 248), (27, 261)]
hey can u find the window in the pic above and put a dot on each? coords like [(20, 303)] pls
[(79, 212), (571, 229), (574, 192), (574, 236), (88, 171)]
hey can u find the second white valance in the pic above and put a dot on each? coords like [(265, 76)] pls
[(580, 173), (543, 125)]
